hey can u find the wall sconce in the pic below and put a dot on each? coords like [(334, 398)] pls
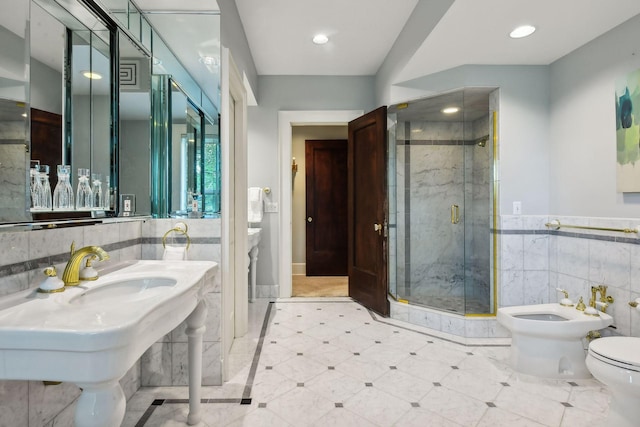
[(294, 166)]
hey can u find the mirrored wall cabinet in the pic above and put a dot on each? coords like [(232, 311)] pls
[(94, 107)]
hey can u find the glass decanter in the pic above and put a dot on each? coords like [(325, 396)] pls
[(84, 195), (46, 201), (36, 188), (96, 188), (63, 193)]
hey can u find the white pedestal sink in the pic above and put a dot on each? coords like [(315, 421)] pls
[(253, 237), (92, 334)]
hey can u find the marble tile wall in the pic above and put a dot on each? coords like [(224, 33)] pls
[(24, 255), (13, 190), (165, 363)]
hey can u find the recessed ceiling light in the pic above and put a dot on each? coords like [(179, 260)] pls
[(450, 110), (320, 39), (24, 114), (92, 75), (209, 60), (522, 31)]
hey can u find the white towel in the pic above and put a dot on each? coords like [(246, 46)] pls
[(255, 204), (174, 253)]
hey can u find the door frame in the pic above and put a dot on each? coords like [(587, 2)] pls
[(235, 294), (286, 121)]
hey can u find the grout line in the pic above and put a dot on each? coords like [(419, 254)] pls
[(147, 414), (246, 396)]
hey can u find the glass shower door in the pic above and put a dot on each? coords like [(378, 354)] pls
[(440, 197)]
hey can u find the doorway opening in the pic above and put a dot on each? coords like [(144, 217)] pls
[(287, 120), (318, 211)]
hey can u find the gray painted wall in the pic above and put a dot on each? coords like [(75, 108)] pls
[(45, 88), (135, 141), (582, 154)]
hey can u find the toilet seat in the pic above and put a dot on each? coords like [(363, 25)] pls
[(623, 352)]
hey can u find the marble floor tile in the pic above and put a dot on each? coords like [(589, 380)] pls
[(301, 406), (377, 406), (332, 363), (454, 406)]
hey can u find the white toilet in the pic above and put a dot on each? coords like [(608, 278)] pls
[(615, 361)]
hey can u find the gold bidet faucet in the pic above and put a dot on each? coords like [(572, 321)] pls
[(71, 275), (604, 299)]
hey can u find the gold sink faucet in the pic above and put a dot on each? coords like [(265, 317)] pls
[(71, 275)]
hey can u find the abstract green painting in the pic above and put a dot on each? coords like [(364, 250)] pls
[(628, 132)]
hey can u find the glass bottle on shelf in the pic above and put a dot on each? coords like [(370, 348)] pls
[(46, 187), (96, 188), (63, 193), (36, 188), (84, 195)]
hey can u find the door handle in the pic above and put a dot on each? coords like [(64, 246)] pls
[(455, 214), (309, 219), (377, 228)]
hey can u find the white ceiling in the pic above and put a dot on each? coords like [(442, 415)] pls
[(361, 32), (476, 32), (471, 32)]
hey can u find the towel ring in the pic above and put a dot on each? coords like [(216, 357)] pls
[(176, 230)]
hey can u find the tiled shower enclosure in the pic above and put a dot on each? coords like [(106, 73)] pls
[(441, 188)]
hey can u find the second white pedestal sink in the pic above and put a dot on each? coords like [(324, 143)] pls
[(92, 334), (253, 236)]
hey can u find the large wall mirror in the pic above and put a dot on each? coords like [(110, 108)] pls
[(64, 97), (76, 90)]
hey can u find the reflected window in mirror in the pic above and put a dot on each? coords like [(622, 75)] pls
[(195, 159), (211, 167)]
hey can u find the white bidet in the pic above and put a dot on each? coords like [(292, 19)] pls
[(547, 339)]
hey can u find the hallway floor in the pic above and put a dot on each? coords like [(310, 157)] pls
[(319, 286), (330, 362)]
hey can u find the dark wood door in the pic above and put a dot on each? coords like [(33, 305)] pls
[(367, 210), (46, 141), (326, 207)]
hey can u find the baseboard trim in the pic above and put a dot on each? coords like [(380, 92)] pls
[(299, 268)]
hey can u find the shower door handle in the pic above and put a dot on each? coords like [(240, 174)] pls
[(455, 214)]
